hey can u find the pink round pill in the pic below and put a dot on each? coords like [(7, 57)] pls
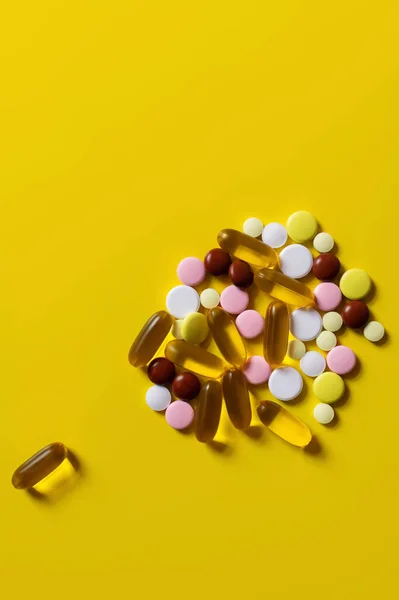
[(234, 300), (341, 360), (257, 370), (191, 271), (250, 324), (179, 414), (327, 296)]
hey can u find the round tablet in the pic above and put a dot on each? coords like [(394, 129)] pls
[(195, 328), (327, 296), (296, 261), (323, 413), (326, 340), (179, 414), (332, 321), (374, 331), (253, 227), (355, 284), (177, 329), (250, 324), (341, 360), (313, 363), (285, 383), (186, 386), (233, 300), (296, 349), (241, 274), (257, 370), (191, 271), (209, 298), (301, 226), (217, 262), (161, 371), (328, 387), (274, 235), (355, 314), (182, 300), (305, 324), (158, 397), (323, 242), (326, 266)]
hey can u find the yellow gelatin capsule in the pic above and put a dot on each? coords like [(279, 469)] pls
[(208, 411), (227, 337), (150, 338), (195, 359), (275, 338), (279, 420), (247, 248), (284, 288), (237, 400), (41, 464)]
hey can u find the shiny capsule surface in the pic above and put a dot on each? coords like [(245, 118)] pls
[(236, 397), (247, 248), (208, 411), (279, 420), (284, 288), (195, 359), (38, 466), (227, 337), (150, 338), (275, 337)]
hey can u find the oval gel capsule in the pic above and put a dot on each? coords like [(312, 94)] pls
[(275, 339), (208, 411), (284, 288), (195, 359), (279, 420), (150, 338), (247, 248), (237, 400), (227, 337), (38, 466)]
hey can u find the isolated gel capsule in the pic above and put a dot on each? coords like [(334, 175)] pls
[(237, 400), (247, 248), (195, 359), (208, 411), (150, 338), (38, 466), (279, 420), (284, 288), (227, 337), (275, 338)]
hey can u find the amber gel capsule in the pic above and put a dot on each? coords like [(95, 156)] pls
[(284, 288), (195, 359), (237, 400), (38, 466), (275, 338), (247, 248), (227, 337), (279, 420), (150, 338), (208, 411)]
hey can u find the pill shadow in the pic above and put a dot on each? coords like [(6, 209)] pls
[(383, 341), (220, 448), (314, 448), (255, 432), (342, 401), (59, 484), (354, 374), (335, 422), (372, 295)]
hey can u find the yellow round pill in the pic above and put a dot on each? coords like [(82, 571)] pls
[(355, 284), (301, 226), (194, 328), (328, 387)]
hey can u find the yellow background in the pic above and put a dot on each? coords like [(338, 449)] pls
[(131, 132)]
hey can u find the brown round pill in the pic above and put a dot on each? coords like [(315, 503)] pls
[(161, 371), (355, 314), (186, 386), (217, 261), (326, 266), (241, 273)]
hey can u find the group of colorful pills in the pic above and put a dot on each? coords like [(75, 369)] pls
[(250, 258)]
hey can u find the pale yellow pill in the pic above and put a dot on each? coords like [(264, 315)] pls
[(253, 227), (326, 341), (296, 349), (301, 226), (355, 284), (374, 331), (332, 321), (323, 242), (209, 298), (195, 328), (328, 387), (177, 329)]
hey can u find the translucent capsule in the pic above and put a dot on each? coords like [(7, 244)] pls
[(150, 338), (38, 466), (237, 400), (208, 411), (275, 338), (195, 359), (284, 288), (247, 248), (279, 420), (227, 337)]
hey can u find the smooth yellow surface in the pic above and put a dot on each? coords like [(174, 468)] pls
[(131, 133), (355, 284), (301, 226), (194, 328), (328, 387)]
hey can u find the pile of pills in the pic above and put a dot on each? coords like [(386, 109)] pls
[(274, 259)]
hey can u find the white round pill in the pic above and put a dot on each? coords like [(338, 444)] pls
[(326, 341), (177, 331), (285, 383), (158, 397), (332, 321), (274, 235), (253, 227), (323, 242), (296, 349), (296, 261), (305, 324), (374, 331), (313, 363), (209, 298), (323, 413), (182, 300)]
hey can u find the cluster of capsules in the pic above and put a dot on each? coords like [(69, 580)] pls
[(249, 257)]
